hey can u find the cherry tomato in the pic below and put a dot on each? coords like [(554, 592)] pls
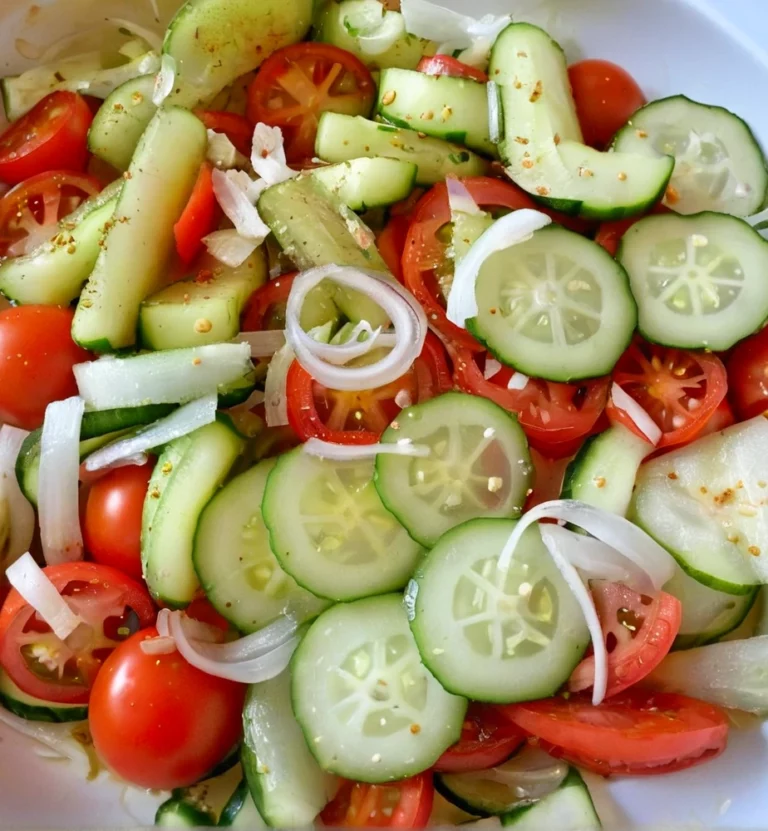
[(487, 739), (548, 477), (679, 390), (391, 244), (636, 732), (52, 135), (639, 632), (159, 722), (315, 411), (112, 527), (609, 234), (606, 97), (30, 212), (198, 218), (235, 127), (40, 663), (37, 355), (405, 804), (722, 417), (297, 83), (201, 609), (265, 308), (446, 65), (748, 375)]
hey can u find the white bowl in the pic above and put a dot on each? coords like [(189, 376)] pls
[(671, 46)]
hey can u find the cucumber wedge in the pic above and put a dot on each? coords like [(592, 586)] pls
[(362, 184)]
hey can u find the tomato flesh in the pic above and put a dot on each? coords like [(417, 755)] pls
[(198, 218), (405, 804), (235, 127), (487, 739), (748, 375), (447, 65)]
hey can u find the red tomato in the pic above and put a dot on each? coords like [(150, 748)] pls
[(679, 390), (639, 632), (405, 804), (159, 722), (30, 212), (198, 218), (548, 477), (446, 65), (201, 609), (487, 739), (722, 417), (235, 127), (391, 244), (314, 411), (606, 97), (748, 375), (52, 135), (609, 234), (64, 672), (265, 308), (636, 732), (38, 354), (297, 83), (112, 527)]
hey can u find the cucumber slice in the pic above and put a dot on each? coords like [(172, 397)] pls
[(368, 707), (706, 504), (234, 563), (569, 808), (288, 788), (362, 184), (132, 262), (344, 137), (36, 709), (466, 231), (479, 465), (202, 803), (121, 120), (241, 812), (491, 635), (604, 470), (213, 42), (187, 474), (330, 531), (557, 306), (719, 165), (454, 109), (176, 813), (699, 281)]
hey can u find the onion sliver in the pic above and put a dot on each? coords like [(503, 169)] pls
[(229, 247), (494, 112), (518, 381), (268, 155), (158, 646), (236, 193), (263, 344), (460, 199), (165, 80), (275, 393), (647, 426), (353, 347), (348, 452), (19, 514)]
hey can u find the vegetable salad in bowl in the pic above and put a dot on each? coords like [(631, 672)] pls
[(384, 417)]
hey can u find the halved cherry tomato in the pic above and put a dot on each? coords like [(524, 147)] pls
[(748, 375), (110, 603), (680, 390), (52, 135), (265, 308), (30, 212), (446, 65), (609, 234), (235, 127), (405, 804), (315, 411), (722, 417), (198, 218), (606, 96), (636, 732), (487, 739), (391, 244), (639, 632), (297, 83)]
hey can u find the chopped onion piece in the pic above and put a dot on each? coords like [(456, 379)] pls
[(88, 477), (350, 452), (433, 22), (275, 394), (158, 646), (512, 229), (494, 112), (492, 368), (518, 381), (153, 40), (353, 347), (18, 514), (268, 155), (236, 194), (460, 199), (263, 344), (31, 582), (229, 247), (165, 80), (58, 490), (179, 423), (222, 153), (646, 425)]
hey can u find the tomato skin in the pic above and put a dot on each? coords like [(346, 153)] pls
[(236, 127), (359, 805), (447, 65), (487, 739), (37, 354), (112, 526), (606, 97), (267, 304), (391, 244), (198, 218), (748, 376), (722, 417), (609, 234), (201, 609), (52, 135), (157, 721)]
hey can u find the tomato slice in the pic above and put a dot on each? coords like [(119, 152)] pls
[(314, 411), (52, 135), (548, 477), (113, 607), (297, 83), (609, 234), (391, 244), (635, 732), (235, 127), (446, 65), (30, 212), (405, 804), (198, 218), (639, 632), (748, 375), (680, 390), (487, 739), (265, 308)]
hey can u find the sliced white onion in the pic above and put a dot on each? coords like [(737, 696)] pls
[(158, 646), (268, 155), (460, 199), (495, 126), (152, 378), (153, 40), (229, 247), (518, 381), (58, 739), (179, 423), (275, 396), (276, 634), (221, 152), (512, 229), (88, 477), (624, 401), (433, 22), (351, 452), (31, 582), (57, 500), (20, 515), (165, 80), (492, 368), (236, 194), (263, 344), (353, 347)]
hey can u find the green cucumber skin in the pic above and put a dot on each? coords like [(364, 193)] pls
[(35, 709)]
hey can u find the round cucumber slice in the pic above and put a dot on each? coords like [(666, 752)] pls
[(557, 307), (369, 708), (36, 709), (492, 635), (479, 465)]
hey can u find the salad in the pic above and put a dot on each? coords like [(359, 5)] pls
[(384, 417)]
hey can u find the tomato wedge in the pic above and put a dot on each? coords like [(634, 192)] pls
[(235, 127), (446, 65), (198, 218), (634, 733), (487, 739), (112, 605), (639, 632), (405, 804), (297, 83)]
